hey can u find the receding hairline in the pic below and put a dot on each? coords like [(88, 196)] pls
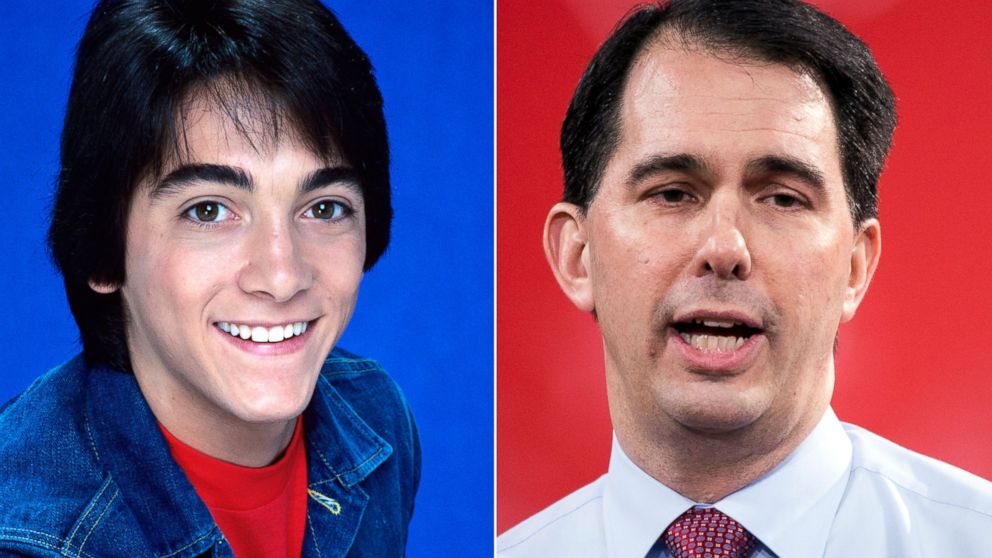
[(674, 37)]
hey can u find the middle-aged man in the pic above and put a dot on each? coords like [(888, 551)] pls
[(719, 222)]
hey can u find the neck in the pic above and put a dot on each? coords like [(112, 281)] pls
[(248, 445), (219, 435), (708, 466)]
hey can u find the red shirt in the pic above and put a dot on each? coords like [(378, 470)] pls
[(261, 511)]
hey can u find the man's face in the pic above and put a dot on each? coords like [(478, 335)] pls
[(263, 239), (719, 249)]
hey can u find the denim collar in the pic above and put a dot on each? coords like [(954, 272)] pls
[(342, 450)]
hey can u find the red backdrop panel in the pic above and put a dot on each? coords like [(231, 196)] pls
[(914, 364)]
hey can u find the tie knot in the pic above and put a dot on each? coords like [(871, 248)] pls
[(708, 533)]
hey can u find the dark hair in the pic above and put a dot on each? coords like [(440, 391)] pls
[(779, 31), (289, 62)]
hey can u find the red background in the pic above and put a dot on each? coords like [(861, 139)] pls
[(914, 364)]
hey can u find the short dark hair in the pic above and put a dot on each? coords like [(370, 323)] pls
[(778, 31), (289, 62)]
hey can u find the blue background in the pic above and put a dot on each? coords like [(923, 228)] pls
[(425, 311)]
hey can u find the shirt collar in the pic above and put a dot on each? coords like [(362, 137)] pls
[(789, 509)]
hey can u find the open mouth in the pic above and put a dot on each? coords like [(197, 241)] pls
[(261, 334), (715, 335)]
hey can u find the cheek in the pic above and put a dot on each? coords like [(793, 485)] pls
[(635, 263), (809, 274), (629, 245), (164, 272), (338, 267)]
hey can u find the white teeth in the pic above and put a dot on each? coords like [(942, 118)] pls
[(258, 334)]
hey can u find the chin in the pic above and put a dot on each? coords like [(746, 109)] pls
[(271, 407), (269, 415), (716, 412)]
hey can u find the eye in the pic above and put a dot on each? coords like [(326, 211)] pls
[(673, 196), (328, 210), (208, 212), (786, 201)]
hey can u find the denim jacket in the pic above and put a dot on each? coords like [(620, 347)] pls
[(85, 472)]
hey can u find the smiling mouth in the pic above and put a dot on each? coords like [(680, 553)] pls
[(715, 335), (260, 334)]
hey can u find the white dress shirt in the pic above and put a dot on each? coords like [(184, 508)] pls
[(844, 492)]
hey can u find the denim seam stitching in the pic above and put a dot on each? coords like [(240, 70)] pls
[(97, 522), (193, 542), (33, 532), (360, 465), (34, 542), (86, 512), (57, 546), (338, 476), (313, 535), (346, 416), (354, 364), (89, 434), (352, 417), (355, 422), (353, 370)]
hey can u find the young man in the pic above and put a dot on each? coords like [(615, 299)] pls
[(720, 222), (224, 185)]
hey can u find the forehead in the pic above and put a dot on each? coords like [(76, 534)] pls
[(218, 124), (683, 98)]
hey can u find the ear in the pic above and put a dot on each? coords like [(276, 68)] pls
[(103, 288), (566, 248), (864, 259)]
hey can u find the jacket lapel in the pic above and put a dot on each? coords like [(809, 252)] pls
[(127, 443), (342, 450)]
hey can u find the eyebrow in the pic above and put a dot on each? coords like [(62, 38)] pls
[(187, 175), (797, 168), (327, 176), (769, 164), (678, 162)]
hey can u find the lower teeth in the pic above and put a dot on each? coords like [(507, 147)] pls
[(713, 343)]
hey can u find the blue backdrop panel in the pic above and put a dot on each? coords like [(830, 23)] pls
[(425, 311)]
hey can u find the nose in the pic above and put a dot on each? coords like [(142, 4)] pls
[(276, 267), (724, 251)]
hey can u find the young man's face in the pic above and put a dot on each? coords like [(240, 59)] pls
[(261, 238), (719, 252)]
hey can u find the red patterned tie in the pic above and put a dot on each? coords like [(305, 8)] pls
[(708, 533)]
